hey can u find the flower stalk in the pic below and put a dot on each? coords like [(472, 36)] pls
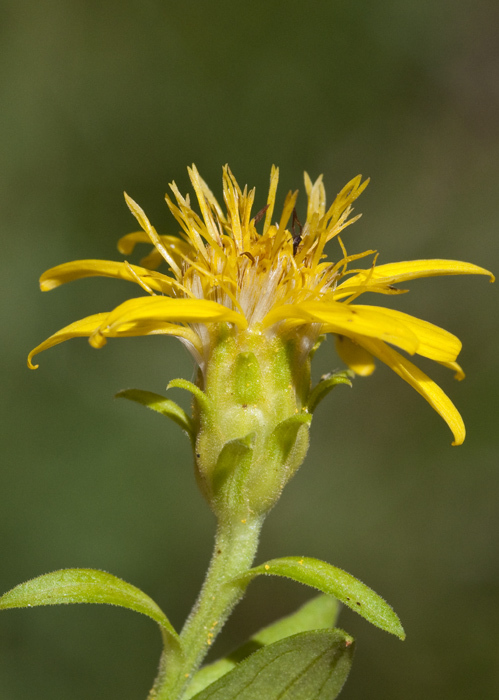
[(235, 547)]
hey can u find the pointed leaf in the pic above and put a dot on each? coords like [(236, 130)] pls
[(336, 582), (195, 390), (85, 586), (306, 666), (319, 613), (325, 385), (233, 462), (283, 437), (160, 404)]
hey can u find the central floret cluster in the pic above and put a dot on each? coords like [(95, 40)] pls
[(225, 259)]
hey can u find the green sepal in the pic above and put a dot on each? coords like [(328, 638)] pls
[(160, 404), (247, 378), (319, 613), (325, 385), (232, 465), (88, 586), (333, 581), (306, 666), (316, 345), (195, 390), (283, 437)]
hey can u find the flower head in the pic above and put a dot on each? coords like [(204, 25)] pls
[(258, 275)]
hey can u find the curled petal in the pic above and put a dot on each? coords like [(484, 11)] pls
[(457, 369), (87, 327), (83, 328), (421, 382), (349, 320), (355, 356)]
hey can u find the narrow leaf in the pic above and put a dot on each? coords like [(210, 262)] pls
[(160, 404), (319, 613), (336, 582), (85, 586), (195, 390), (324, 387), (306, 666)]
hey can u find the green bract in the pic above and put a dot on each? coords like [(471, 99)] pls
[(251, 424)]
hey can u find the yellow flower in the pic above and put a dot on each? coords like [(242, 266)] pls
[(277, 282)]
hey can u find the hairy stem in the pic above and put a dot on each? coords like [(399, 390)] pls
[(235, 548)]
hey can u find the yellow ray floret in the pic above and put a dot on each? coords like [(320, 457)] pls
[(266, 274)]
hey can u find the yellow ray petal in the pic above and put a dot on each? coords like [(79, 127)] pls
[(348, 320), (173, 244), (131, 330), (434, 342), (274, 179), (421, 382), (354, 356), (161, 310), (144, 222), (393, 273), (82, 328), (78, 269), (459, 373)]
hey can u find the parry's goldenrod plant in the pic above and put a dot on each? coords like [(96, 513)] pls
[(251, 296)]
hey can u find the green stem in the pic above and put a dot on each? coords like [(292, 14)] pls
[(235, 548)]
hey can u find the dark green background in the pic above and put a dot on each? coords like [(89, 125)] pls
[(98, 97)]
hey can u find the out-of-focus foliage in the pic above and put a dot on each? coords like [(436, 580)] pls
[(101, 97)]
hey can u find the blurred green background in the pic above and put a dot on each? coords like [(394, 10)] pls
[(98, 97)]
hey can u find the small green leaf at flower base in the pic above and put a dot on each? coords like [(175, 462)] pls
[(325, 385), (306, 666), (336, 582), (193, 389), (283, 438), (86, 586), (232, 464), (319, 613), (160, 404)]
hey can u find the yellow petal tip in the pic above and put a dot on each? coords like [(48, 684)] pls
[(47, 285), (97, 340)]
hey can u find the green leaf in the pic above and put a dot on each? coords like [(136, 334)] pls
[(333, 581), (160, 404), (325, 385), (194, 390), (86, 586), (306, 666), (319, 613)]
